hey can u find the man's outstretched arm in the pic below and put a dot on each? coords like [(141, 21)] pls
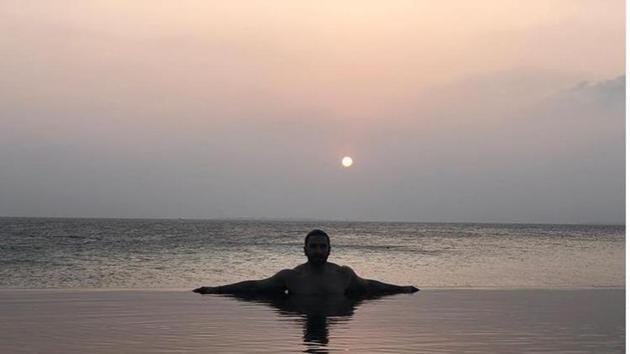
[(377, 287), (273, 285), (360, 286)]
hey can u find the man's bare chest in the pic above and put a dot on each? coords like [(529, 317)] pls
[(326, 283)]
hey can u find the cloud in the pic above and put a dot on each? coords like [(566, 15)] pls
[(552, 157)]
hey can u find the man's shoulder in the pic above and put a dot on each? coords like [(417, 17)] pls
[(285, 273), (346, 269), (298, 268), (341, 268)]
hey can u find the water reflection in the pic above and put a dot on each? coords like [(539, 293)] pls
[(315, 313)]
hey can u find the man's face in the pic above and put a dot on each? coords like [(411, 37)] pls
[(317, 250)]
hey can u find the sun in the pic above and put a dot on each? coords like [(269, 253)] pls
[(346, 161)]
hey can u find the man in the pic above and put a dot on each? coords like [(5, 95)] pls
[(317, 276)]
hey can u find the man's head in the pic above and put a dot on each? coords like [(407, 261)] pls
[(317, 247)]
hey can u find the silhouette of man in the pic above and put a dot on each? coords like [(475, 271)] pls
[(317, 276)]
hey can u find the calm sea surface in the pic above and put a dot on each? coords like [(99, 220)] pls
[(450, 321), (545, 288), (111, 253)]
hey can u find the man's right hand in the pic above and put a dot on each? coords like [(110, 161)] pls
[(205, 290)]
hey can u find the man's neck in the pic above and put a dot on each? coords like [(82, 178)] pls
[(315, 268)]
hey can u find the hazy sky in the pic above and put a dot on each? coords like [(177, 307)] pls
[(463, 111)]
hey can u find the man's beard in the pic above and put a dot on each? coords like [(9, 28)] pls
[(317, 261)]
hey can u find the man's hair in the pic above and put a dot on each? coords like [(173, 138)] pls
[(316, 232)]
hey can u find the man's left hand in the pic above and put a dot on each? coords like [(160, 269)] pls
[(410, 289)]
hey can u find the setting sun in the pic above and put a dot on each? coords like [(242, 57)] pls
[(346, 161)]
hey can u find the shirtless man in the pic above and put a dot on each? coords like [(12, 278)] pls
[(317, 276)]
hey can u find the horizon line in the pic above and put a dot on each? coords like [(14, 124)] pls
[(297, 219)]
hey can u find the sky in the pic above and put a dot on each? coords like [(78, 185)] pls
[(485, 111)]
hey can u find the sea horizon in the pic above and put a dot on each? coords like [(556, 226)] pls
[(317, 220)]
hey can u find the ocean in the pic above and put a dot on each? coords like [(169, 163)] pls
[(121, 285), (179, 254)]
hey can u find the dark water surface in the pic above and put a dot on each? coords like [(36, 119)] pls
[(122, 253), (547, 288), (431, 321)]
